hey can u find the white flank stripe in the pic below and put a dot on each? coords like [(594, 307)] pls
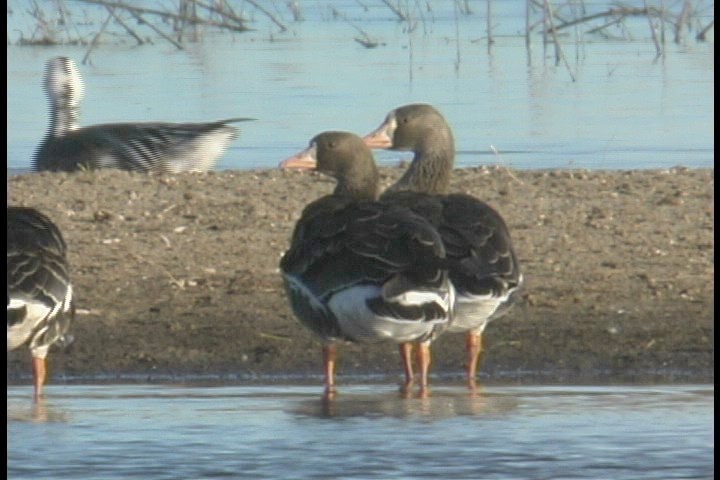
[(298, 286), (420, 297)]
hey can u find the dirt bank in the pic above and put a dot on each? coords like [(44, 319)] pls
[(178, 275)]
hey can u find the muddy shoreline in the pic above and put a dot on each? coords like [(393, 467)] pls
[(176, 277)]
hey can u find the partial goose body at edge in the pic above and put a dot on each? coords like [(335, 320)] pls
[(39, 287), (40, 293)]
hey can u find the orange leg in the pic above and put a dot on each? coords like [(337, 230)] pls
[(474, 347), (329, 361), (406, 355), (39, 369), (423, 360)]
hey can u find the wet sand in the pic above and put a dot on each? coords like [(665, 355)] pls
[(178, 275)]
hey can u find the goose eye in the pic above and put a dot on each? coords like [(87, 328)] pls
[(331, 144)]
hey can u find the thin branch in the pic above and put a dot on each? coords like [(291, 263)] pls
[(558, 49), (540, 4), (151, 11), (223, 12), (127, 28), (95, 39), (139, 18), (603, 27), (66, 20), (457, 38), (269, 15), (395, 10), (489, 25), (527, 24), (700, 37), (658, 48), (682, 19), (366, 41), (613, 12), (502, 165)]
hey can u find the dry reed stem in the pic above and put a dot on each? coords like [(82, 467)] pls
[(559, 54)]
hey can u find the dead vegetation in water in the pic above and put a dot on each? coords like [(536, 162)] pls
[(62, 23), (556, 22), (665, 19)]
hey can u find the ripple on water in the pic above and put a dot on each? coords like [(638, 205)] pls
[(369, 431)]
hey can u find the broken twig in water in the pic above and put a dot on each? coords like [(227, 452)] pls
[(139, 18), (653, 33), (127, 28), (194, 19), (401, 16), (95, 39), (700, 37), (268, 14), (559, 54)]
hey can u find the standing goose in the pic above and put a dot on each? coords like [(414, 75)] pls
[(359, 270), (143, 147), (40, 307), (483, 265)]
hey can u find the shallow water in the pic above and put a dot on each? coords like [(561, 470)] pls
[(281, 431), (625, 109)]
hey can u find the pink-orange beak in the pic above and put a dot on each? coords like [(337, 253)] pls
[(305, 160), (380, 137)]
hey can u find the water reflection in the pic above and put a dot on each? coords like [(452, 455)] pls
[(652, 115), (442, 403), (369, 431), (35, 412)]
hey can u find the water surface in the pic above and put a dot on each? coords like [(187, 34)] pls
[(369, 431), (616, 107)]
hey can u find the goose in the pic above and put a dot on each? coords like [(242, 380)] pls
[(359, 270), (483, 265), (40, 305), (143, 147)]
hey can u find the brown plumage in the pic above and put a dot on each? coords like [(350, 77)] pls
[(358, 269), (483, 266)]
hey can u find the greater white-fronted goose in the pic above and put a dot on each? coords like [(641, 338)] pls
[(484, 268), (359, 270), (144, 147), (40, 295)]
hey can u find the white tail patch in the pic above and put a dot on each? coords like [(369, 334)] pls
[(201, 154), (19, 333), (473, 311), (360, 323)]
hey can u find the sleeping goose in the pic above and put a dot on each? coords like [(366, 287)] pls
[(145, 147), (484, 268), (40, 296), (359, 270)]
